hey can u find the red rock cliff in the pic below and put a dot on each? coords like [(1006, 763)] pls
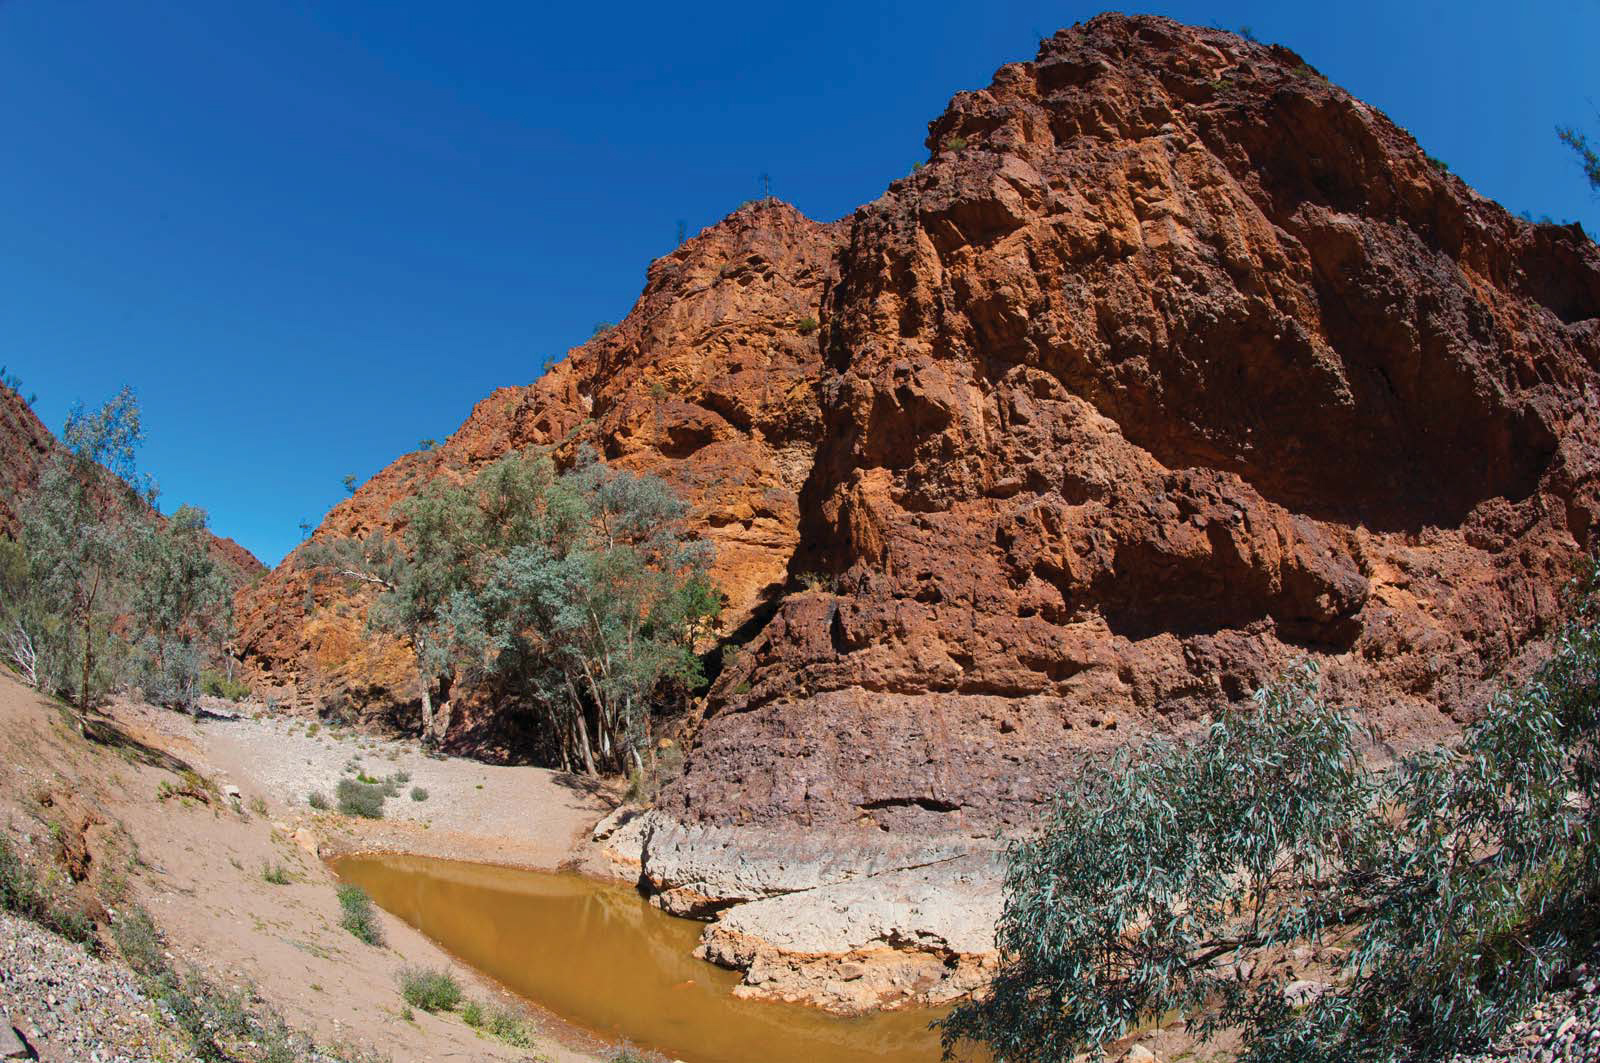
[(710, 382), (1176, 363)]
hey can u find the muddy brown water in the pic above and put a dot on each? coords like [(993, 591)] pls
[(596, 954)]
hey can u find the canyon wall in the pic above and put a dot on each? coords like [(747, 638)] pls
[(1174, 363)]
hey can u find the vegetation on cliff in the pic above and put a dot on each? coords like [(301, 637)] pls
[(1432, 902), (99, 591)]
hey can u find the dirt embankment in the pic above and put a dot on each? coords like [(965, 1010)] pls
[(93, 818)]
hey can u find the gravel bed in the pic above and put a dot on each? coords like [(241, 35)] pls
[(1564, 1027), (72, 1006)]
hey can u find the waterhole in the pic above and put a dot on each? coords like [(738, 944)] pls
[(596, 954)]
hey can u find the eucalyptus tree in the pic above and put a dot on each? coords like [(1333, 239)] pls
[(1444, 895), (609, 601), (582, 592), (78, 525), (179, 605)]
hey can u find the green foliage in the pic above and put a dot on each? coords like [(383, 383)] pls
[(583, 594), (427, 444), (350, 482), (359, 915), (498, 1021), (101, 590), (275, 875), (11, 381), (507, 1024), (954, 142), (219, 685), (318, 800), (139, 942), (429, 990), (1587, 157), (44, 899), (180, 601), (78, 528), (806, 325), (361, 799), (1438, 164), (1458, 885), (418, 794)]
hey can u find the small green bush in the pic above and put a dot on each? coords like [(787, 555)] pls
[(472, 1014), (317, 800), (509, 1026), (629, 1054), (275, 874), (360, 915), (361, 799), (418, 794), (139, 942), (429, 990), (45, 901), (220, 686), (806, 325)]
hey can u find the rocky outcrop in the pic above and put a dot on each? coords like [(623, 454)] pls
[(710, 382), (1174, 364), (25, 445)]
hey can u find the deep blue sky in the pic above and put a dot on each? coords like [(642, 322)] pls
[(310, 234)]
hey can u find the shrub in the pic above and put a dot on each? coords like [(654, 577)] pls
[(361, 799), (472, 1014), (140, 942), (318, 800), (45, 901), (429, 990), (1459, 885), (955, 143), (629, 1054), (418, 794), (806, 325), (502, 1022), (360, 916), (221, 686), (275, 874)]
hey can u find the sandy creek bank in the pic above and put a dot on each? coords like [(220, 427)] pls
[(198, 870)]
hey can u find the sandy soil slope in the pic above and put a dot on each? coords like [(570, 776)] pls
[(94, 809)]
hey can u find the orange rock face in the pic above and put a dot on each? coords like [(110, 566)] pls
[(1175, 363), (710, 382)]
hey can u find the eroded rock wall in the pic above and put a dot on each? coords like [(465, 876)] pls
[(708, 382), (1176, 363)]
